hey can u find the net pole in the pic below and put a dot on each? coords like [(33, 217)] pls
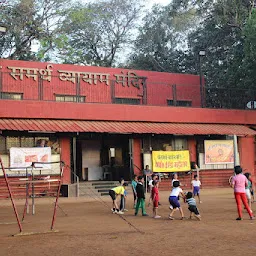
[(10, 194), (57, 197), (26, 206), (33, 192), (26, 209)]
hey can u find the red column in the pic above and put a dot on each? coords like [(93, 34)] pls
[(192, 149), (247, 153), (65, 157), (137, 156)]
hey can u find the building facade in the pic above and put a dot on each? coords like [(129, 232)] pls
[(104, 123)]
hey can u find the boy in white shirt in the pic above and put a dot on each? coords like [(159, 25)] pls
[(196, 187), (173, 199)]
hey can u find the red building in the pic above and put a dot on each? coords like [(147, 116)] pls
[(105, 122)]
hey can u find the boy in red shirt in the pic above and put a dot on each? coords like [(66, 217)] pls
[(155, 198)]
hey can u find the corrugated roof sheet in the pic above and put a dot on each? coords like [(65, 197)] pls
[(50, 125)]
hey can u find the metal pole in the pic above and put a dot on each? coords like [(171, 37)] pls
[(236, 153), (131, 158), (10, 194), (33, 193), (201, 81), (74, 158), (77, 186), (57, 197)]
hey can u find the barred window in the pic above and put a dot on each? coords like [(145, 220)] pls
[(129, 101), (179, 103), (11, 96), (70, 98)]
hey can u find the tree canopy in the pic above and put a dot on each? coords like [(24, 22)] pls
[(167, 38)]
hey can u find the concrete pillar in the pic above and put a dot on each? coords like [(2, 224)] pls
[(192, 149), (65, 156), (247, 153), (137, 156)]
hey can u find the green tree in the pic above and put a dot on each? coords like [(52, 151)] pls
[(98, 33), (221, 35), (28, 22), (161, 41)]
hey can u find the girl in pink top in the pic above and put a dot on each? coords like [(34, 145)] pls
[(239, 182)]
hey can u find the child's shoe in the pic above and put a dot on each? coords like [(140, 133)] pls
[(157, 217), (144, 214), (252, 218), (238, 218), (198, 217), (119, 212)]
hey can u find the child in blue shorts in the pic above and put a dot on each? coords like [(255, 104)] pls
[(173, 199), (196, 187)]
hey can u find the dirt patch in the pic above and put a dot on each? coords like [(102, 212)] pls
[(91, 229)]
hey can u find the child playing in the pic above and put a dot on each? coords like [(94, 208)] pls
[(192, 206), (114, 193), (248, 189), (140, 191), (150, 186), (123, 198), (155, 198), (175, 178), (173, 199), (196, 187), (134, 185), (239, 182)]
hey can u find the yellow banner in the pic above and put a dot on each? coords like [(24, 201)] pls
[(219, 151), (171, 161)]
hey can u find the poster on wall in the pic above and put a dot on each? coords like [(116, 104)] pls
[(170, 161), (23, 157), (219, 151)]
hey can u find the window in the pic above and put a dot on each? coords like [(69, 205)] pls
[(180, 103), (2, 144), (7, 142), (70, 98), (11, 96), (129, 101)]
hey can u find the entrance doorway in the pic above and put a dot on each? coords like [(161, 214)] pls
[(105, 157)]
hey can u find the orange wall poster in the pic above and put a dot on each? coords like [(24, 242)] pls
[(171, 161), (219, 151)]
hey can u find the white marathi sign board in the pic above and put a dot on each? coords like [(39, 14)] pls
[(23, 157)]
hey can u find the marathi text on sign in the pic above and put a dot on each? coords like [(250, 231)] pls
[(171, 161), (129, 79)]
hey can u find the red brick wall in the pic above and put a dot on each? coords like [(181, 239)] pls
[(188, 86), (113, 112)]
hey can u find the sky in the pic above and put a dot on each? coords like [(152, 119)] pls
[(150, 2), (163, 2)]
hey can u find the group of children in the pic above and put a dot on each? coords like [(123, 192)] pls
[(138, 189)]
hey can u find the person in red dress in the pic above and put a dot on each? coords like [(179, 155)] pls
[(155, 198)]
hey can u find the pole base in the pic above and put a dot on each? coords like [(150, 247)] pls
[(35, 233)]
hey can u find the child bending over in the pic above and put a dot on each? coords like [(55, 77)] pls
[(114, 193), (192, 206)]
